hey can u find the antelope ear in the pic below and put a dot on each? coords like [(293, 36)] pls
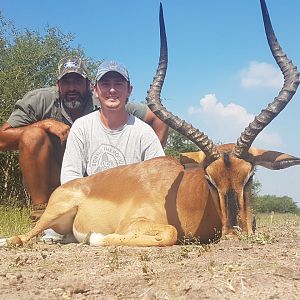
[(192, 157), (272, 159)]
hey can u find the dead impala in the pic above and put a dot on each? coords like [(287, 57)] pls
[(158, 202)]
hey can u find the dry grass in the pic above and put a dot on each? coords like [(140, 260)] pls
[(14, 220), (278, 220)]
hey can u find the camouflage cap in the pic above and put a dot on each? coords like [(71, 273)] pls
[(71, 65), (111, 66)]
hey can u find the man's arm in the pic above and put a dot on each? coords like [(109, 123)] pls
[(10, 136), (160, 128)]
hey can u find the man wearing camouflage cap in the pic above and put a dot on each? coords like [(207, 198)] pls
[(40, 123)]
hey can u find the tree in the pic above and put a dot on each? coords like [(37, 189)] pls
[(177, 143), (28, 60), (269, 203), (256, 188)]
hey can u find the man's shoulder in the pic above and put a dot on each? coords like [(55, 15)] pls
[(137, 109), (36, 105), (50, 93)]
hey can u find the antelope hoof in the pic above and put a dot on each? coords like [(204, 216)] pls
[(15, 241)]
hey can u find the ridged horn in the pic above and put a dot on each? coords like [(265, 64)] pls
[(154, 102), (291, 82)]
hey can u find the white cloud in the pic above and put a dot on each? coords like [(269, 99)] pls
[(226, 122), (261, 74), (231, 113)]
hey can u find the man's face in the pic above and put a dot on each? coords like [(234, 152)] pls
[(73, 90), (112, 90)]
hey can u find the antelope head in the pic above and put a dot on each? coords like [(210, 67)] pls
[(229, 168)]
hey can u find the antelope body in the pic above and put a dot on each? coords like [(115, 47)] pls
[(158, 202), (149, 207)]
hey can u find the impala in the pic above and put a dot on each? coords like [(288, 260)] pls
[(159, 201)]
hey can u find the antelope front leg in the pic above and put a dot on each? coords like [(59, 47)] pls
[(142, 233), (59, 215)]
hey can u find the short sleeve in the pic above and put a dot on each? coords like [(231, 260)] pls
[(139, 110), (151, 146), (33, 107)]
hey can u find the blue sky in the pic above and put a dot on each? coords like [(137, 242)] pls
[(221, 72)]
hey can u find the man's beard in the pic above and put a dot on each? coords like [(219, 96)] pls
[(73, 103)]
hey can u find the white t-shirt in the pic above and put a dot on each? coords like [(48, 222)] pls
[(92, 148)]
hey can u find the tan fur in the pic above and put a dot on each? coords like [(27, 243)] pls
[(157, 202), (191, 157)]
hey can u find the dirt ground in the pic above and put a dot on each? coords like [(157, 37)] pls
[(265, 267)]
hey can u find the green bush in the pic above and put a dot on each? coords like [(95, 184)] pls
[(269, 203)]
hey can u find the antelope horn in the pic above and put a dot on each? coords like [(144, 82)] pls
[(291, 82), (154, 102)]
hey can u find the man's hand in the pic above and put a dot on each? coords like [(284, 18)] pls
[(59, 129)]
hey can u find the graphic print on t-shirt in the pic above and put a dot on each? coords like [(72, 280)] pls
[(106, 157)]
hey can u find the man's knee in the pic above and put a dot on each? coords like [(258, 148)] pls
[(34, 138)]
